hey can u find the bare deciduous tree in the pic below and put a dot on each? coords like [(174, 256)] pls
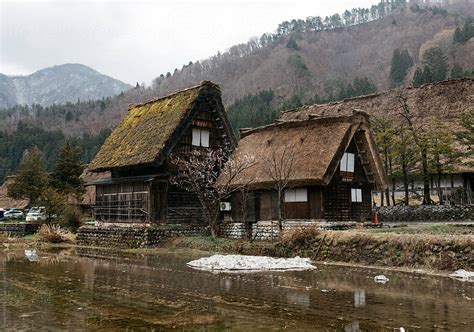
[(198, 173), (281, 170), (419, 136)]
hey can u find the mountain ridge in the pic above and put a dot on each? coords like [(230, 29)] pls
[(58, 84)]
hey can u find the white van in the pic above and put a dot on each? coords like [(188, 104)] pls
[(36, 213)]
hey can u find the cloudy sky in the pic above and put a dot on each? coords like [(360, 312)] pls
[(135, 41)]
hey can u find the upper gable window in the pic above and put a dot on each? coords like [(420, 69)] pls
[(347, 162), (200, 137)]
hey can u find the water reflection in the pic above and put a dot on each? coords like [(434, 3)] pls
[(359, 298), (93, 289)]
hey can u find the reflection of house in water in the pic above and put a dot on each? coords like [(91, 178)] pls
[(359, 298), (138, 152)]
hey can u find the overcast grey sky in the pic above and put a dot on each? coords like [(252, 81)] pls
[(135, 41)]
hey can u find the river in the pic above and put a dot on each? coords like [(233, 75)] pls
[(87, 289)]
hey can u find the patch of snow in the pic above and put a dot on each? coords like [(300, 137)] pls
[(463, 275), (381, 279), (251, 263), (31, 255)]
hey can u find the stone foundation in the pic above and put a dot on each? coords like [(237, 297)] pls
[(267, 230), (18, 229), (427, 213), (134, 236)]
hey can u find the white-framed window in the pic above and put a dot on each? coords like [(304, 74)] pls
[(347, 162), (200, 137), (356, 195), (296, 195)]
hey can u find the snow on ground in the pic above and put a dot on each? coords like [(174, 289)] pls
[(251, 263), (381, 279), (463, 275)]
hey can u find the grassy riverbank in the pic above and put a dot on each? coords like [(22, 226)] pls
[(429, 246), (426, 250)]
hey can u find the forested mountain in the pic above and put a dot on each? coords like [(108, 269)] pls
[(57, 85), (311, 60), (317, 60)]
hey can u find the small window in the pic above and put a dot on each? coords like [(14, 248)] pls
[(356, 195), (200, 137), (347, 162), (296, 195)]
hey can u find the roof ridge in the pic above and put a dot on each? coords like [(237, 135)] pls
[(372, 95), (311, 119), (174, 93)]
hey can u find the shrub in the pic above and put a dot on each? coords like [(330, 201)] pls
[(54, 234), (71, 219)]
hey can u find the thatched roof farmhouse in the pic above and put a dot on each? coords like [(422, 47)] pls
[(332, 165), (137, 154)]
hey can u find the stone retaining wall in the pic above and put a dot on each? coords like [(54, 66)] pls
[(137, 236), (264, 230), (427, 213), (18, 229)]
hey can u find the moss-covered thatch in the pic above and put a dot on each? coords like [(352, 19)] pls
[(315, 147), (147, 129)]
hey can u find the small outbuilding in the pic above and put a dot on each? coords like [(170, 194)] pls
[(137, 154), (328, 166)]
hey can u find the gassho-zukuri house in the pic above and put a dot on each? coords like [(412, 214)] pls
[(138, 152), (330, 166)]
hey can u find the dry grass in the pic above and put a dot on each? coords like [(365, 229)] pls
[(54, 234)]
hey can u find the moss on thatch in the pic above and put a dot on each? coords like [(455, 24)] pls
[(147, 128)]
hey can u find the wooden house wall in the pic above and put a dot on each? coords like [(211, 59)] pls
[(263, 205), (123, 202), (338, 204)]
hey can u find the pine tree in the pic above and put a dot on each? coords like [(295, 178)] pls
[(457, 71), (418, 78), (291, 44), (32, 178), (436, 61), (68, 170)]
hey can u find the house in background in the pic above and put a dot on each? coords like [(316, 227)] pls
[(138, 151), (332, 162), (6, 202), (445, 101)]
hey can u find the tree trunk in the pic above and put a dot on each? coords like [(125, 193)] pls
[(426, 177), (280, 211), (440, 193), (405, 183), (392, 180)]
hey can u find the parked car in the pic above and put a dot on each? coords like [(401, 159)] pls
[(36, 213), (13, 214)]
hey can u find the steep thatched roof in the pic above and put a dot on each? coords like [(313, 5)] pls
[(149, 130), (315, 145), (445, 100), (8, 202)]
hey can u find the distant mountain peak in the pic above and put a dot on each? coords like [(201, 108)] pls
[(58, 84)]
